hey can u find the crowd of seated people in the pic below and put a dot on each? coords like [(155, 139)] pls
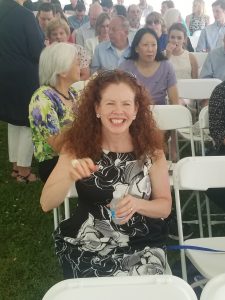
[(138, 63)]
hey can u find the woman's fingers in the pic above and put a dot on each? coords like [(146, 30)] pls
[(83, 168)]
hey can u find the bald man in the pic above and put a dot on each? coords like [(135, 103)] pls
[(87, 30)]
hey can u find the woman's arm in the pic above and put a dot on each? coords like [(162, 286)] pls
[(65, 173), (173, 94), (194, 66), (160, 205)]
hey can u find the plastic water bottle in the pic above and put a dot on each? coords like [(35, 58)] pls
[(116, 198)]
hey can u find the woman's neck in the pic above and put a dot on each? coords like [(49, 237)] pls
[(117, 142), (178, 52), (145, 65), (63, 88)]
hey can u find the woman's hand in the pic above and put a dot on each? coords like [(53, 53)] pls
[(126, 208), (82, 168), (169, 49)]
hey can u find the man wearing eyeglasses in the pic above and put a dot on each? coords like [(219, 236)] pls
[(109, 54)]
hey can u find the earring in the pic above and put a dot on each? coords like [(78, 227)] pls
[(134, 117), (98, 116)]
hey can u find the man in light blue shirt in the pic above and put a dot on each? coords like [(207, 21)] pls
[(108, 55), (79, 18), (87, 30), (212, 35), (214, 65)]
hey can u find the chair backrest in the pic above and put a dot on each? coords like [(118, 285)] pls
[(214, 289), (197, 89), (199, 173), (161, 287), (169, 117)]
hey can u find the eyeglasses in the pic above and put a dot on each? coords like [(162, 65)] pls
[(156, 22)]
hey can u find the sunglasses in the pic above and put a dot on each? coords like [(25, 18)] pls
[(106, 74), (156, 22)]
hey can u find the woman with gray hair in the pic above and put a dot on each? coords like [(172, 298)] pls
[(51, 106)]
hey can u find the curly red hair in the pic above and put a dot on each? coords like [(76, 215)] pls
[(84, 138)]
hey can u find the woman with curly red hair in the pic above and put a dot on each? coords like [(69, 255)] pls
[(113, 150)]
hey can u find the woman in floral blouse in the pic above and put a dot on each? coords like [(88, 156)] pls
[(51, 106)]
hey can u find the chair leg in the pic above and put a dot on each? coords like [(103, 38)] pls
[(56, 222), (67, 208), (208, 216), (181, 236), (199, 214)]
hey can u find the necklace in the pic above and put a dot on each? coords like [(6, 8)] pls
[(70, 98)]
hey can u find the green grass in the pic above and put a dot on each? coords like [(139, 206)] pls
[(28, 263)]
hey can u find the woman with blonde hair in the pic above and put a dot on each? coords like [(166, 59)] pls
[(113, 150), (197, 20), (58, 31), (155, 21)]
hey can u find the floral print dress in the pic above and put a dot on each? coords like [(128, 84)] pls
[(48, 115), (90, 244)]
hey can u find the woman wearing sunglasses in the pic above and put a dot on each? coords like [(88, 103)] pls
[(155, 21)]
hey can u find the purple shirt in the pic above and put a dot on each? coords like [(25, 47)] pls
[(157, 84)]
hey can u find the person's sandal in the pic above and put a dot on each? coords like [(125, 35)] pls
[(14, 173), (26, 179)]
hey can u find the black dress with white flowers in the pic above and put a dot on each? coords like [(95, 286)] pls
[(90, 244)]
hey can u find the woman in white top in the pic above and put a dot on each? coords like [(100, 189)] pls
[(101, 31), (184, 62)]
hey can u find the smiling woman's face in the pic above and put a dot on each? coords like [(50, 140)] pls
[(117, 108)]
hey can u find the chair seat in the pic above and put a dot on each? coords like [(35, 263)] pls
[(185, 133), (209, 264)]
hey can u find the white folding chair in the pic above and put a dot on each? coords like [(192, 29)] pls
[(195, 90), (163, 287), (214, 289), (173, 117), (57, 211), (199, 174)]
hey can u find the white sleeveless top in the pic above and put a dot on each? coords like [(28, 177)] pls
[(181, 65)]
